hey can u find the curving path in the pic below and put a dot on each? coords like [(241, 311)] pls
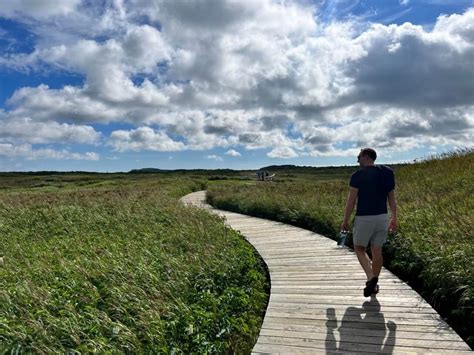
[(316, 303)]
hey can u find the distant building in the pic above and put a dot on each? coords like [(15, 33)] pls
[(264, 176)]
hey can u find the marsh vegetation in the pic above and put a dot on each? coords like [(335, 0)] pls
[(114, 263)]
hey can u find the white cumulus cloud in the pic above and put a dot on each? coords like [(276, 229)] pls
[(214, 157), (282, 152), (37, 8), (27, 130), (28, 152), (143, 138), (233, 153)]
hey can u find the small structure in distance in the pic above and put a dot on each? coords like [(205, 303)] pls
[(264, 176)]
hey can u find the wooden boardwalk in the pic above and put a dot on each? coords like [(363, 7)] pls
[(316, 303)]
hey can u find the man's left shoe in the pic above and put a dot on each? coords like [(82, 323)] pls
[(371, 286)]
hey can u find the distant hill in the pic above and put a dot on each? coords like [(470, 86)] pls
[(147, 171), (309, 169), (187, 171)]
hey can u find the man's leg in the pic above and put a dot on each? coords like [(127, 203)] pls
[(377, 242), (364, 260), (377, 260)]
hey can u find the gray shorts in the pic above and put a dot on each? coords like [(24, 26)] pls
[(373, 229)]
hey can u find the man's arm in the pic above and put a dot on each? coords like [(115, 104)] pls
[(393, 208), (350, 204)]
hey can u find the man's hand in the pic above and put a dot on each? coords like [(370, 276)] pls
[(393, 207), (393, 225), (350, 204), (344, 226)]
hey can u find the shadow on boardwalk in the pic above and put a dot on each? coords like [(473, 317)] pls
[(361, 329)]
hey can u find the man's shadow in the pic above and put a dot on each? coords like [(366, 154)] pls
[(361, 329)]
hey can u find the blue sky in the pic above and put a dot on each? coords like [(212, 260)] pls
[(114, 86)]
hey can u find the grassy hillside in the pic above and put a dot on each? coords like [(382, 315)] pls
[(113, 263), (434, 247)]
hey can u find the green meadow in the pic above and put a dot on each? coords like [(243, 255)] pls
[(114, 263), (433, 249)]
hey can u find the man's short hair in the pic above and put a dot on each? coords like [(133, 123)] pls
[(369, 152)]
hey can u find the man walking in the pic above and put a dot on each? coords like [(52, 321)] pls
[(371, 187)]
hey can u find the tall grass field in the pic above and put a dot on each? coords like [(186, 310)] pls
[(114, 264), (434, 247)]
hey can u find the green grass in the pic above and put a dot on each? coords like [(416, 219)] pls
[(114, 263), (434, 247)]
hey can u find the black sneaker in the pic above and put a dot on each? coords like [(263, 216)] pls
[(370, 286)]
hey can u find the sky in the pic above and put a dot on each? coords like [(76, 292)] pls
[(115, 85)]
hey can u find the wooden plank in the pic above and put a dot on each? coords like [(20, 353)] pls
[(300, 241), (313, 248), (385, 284), (281, 238), (288, 238), (365, 312), (302, 236), (313, 257), (400, 319), (309, 263), (332, 302), (261, 348), (320, 270), (266, 227), (333, 278), (408, 299), (262, 232), (271, 321), (372, 337), (335, 268), (376, 346), (285, 237), (335, 288), (424, 333), (342, 307), (355, 292)]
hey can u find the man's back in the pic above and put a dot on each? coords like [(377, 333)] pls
[(373, 184)]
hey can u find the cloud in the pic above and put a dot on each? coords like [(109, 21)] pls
[(26, 151), (143, 138), (37, 8), (233, 153), (214, 157), (282, 152), (70, 103), (407, 66), (27, 130), (390, 129)]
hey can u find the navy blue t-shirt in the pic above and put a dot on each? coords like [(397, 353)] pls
[(373, 184)]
